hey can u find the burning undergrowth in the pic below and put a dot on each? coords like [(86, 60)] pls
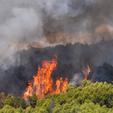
[(34, 32), (43, 84), (72, 59)]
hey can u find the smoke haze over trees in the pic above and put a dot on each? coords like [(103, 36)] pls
[(31, 29), (49, 22)]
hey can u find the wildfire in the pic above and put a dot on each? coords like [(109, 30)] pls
[(43, 84), (86, 72)]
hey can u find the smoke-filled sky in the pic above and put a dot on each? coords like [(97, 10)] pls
[(41, 23), (49, 22)]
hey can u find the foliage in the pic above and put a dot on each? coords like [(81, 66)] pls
[(14, 101), (33, 100), (87, 98)]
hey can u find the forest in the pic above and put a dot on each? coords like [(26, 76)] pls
[(88, 97)]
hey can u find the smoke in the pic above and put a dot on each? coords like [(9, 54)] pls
[(18, 31), (77, 78), (25, 24), (41, 23), (72, 59)]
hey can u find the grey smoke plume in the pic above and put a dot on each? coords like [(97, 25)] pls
[(16, 32), (50, 22)]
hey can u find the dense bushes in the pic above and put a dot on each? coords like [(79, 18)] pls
[(87, 98)]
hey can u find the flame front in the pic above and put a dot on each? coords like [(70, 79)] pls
[(43, 84)]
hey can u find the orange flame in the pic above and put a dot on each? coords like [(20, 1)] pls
[(86, 72), (42, 82)]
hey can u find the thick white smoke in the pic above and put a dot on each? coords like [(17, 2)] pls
[(22, 28), (46, 22)]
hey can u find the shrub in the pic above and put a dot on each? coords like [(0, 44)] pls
[(86, 98)]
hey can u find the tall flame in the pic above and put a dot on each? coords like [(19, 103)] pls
[(43, 84), (86, 72)]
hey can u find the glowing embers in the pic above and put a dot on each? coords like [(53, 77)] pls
[(43, 84)]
